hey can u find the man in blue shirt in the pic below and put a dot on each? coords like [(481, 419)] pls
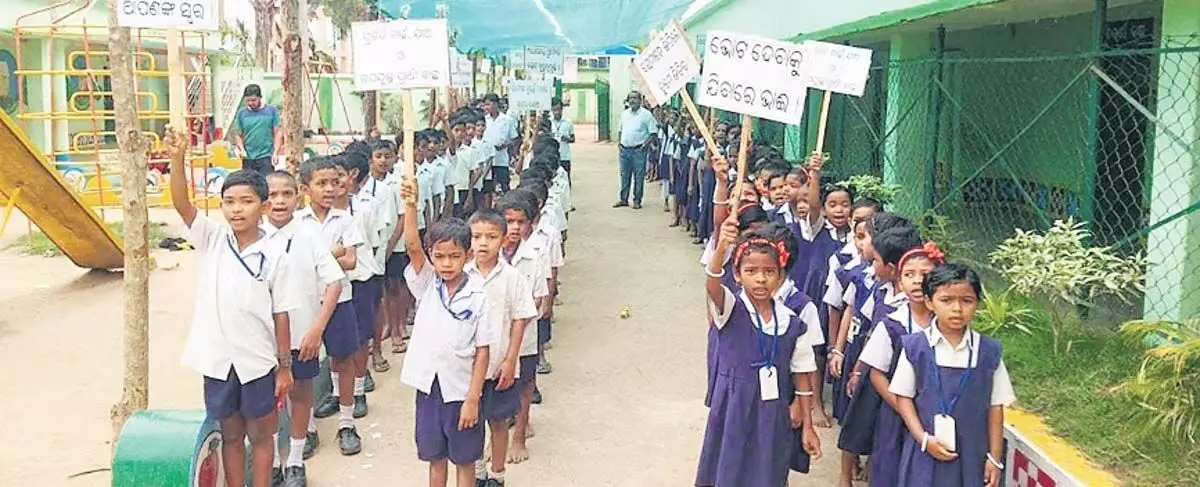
[(258, 134), (637, 125)]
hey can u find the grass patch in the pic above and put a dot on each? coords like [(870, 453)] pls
[(1073, 392), (37, 243)]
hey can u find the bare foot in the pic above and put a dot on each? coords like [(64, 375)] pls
[(518, 453), (820, 419), (529, 431)]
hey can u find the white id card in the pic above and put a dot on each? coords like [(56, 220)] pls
[(855, 327), (943, 430), (768, 383)]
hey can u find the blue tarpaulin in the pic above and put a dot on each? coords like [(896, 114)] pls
[(582, 26)]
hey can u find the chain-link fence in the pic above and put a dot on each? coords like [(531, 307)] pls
[(996, 144)]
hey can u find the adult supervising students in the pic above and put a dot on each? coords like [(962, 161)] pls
[(636, 126), (258, 134)]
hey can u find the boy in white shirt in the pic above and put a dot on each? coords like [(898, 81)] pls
[(240, 338), (464, 159), (384, 185), (484, 154), (564, 132), (525, 250), (316, 280), (320, 180), (448, 356), (366, 279)]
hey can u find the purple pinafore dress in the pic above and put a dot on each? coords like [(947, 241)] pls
[(890, 430), (854, 342), (823, 246), (970, 413), (862, 410), (749, 442), (714, 338)]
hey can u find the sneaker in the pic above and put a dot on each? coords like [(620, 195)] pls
[(311, 441), (537, 396), (277, 477), (637, 206), (481, 482), (349, 441), (620, 204), (544, 367), (296, 477), (327, 408), (369, 383), (360, 406), (494, 483)]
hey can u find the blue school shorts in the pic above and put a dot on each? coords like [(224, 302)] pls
[(305, 369), (543, 330), (437, 434), (501, 176), (499, 405), (395, 266), (253, 400), (341, 334), (366, 303), (528, 368)]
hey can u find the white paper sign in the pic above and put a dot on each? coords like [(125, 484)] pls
[(168, 14), (516, 59), (460, 69), (667, 64), (837, 68), (525, 95), (544, 60), (400, 54), (754, 76)]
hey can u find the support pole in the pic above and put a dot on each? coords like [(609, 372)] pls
[(1087, 201), (935, 118)]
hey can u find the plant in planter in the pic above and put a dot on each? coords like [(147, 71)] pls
[(1167, 385), (1057, 268)]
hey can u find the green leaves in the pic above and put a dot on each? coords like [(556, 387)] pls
[(868, 186), (1004, 312), (1167, 385)]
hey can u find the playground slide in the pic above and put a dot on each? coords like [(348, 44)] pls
[(42, 195)]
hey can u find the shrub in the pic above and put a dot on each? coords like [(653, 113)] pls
[(1003, 312), (868, 186), (1167, 385)]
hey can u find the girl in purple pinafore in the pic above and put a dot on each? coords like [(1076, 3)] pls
[(882, 350), (761, 398), (951, 387)]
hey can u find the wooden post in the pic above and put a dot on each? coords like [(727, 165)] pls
[(410, 161), (433, 106), (821, 125), (743, 153), (135, 389), (292, 83), (705, 131)]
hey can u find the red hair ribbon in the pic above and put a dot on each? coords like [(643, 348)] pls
[(779, 247), (930, 251)]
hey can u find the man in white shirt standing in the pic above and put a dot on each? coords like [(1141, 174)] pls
[(636, 126), (502, 134), (564, 130)]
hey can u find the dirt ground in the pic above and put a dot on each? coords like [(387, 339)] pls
[(624, 406)]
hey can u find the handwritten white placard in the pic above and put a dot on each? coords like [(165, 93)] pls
[(460, 69), (837, 68), (516, 59), (525, 95), (400, 54), (667, 64), (168, 14), (544, 60), (754, 76)]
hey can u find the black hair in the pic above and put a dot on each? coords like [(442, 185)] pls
[(313, 165), (536, 173), (774, 234), (519, 200), (490, 216), (539, 189), (871, 203), (492, 97), (546, 144), (449, 230), (381, 144), (750, 215), (358, 160), (884, 220), (951, 273), (284, 175), (458, 119), (253, 179), (358, 146), (339, 161), (556, 102), (829, 189), (252, 90), (891, 244), (775, 171)]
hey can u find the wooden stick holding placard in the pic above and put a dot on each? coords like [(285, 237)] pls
[(409, 167), (824, 118), (747, 133), (433, 106), (705, 131)]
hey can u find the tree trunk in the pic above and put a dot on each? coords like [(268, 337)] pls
[(293, 84), (369, 99), (131, 146), (264, 29)]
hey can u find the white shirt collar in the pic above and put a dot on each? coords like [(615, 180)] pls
[(307, 212), (782, 313), (473, 270), (903, 315), (970, 338), (287, 230), (893, 296)]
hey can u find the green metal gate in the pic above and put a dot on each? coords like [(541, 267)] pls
[(603, 121)]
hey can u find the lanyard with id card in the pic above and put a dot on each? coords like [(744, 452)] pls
[(262, 260), (944, 428), (463, 315), (768, 382)]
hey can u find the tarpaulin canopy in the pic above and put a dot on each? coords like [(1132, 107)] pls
[(581, 26)]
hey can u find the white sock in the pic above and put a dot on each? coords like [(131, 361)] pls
[(498, 476), (345, 416), (296, 452), (481, 469), (336, 389), (312, 423), (360, 386), (275, 457)]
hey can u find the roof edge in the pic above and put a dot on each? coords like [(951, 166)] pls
[(893, 18)]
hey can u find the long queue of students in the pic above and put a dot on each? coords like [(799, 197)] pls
[(824, 307), (342, 255)]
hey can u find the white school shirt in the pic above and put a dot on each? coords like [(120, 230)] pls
[(443, 347), (425, 190), (366, 216), (803, 359), (553, 249), (878, 350), (499, 129), (483, 159), (509, 299), (233, 323), (311, 267), (439, 172), (904, 382), (563, 127), (531, 261), (338, 227), (834, 290), (696, 151), (891, 297), (388, 209), (464, 163)]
